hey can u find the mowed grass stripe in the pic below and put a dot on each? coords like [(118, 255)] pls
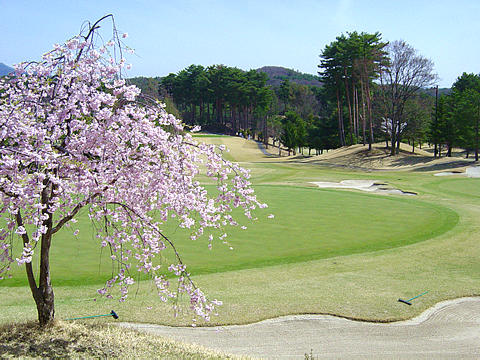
[(309, 224)]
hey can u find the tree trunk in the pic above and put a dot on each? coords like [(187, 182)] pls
[(43, 294), (369, 109), (357, 132), (364, 127), (265, 131), (208, 113), (476, 138), (398, 139), (45, 304), (341, 131), (393, 137), (349, 106)]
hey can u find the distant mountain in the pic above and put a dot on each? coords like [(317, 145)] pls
[(5, 70), (441, 91), (277, 74)]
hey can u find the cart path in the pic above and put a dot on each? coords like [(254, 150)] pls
[(450, 329)]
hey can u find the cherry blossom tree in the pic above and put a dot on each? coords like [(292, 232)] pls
[(74, 136)]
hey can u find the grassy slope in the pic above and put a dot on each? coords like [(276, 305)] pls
[(363, 285)]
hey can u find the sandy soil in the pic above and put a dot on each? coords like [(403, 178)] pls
[(450, 330)]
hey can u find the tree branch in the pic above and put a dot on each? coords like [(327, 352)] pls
[(74, 212), (28, 266), (177, 255)]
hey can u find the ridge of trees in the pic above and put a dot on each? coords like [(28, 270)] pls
[(278, 74), (368, 90)]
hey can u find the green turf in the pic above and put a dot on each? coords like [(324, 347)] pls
[(460, 187), (326, 251), (209, 136), (309, 224)]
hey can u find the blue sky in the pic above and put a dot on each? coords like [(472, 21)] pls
[(170, 35)]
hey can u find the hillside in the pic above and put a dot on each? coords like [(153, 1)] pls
[(148, 85), (277, 74), (5, 70), (358, 157), (441, 91)]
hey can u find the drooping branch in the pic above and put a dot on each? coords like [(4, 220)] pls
[(91, 31), (130, 210)]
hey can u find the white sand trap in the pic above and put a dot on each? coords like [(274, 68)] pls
[(449, 330), (471, 172), (448, 173), (364, 185)]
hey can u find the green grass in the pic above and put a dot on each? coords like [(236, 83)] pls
[(309, 224), (327, 251), (210, 136)]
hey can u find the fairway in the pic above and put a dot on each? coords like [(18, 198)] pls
[(323, 248), (468, 188)]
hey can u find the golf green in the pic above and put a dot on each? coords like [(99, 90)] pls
[(309, 224)]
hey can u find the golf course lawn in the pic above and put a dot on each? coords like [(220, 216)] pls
[(309, 224), (341, 252)]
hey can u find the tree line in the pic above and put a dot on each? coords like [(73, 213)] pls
[(455, 123), (371, 90)]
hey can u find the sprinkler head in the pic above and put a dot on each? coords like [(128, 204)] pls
[(114, 314)]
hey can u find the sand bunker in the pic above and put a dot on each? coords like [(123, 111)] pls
[(449, 330), (471, 172), (449, 173), (364, 185)]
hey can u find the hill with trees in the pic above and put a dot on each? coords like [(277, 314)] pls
[(277, 74)]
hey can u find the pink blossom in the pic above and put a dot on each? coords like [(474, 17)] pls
[(98, 149)]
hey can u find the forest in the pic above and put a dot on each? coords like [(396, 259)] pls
[(367, 90)]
